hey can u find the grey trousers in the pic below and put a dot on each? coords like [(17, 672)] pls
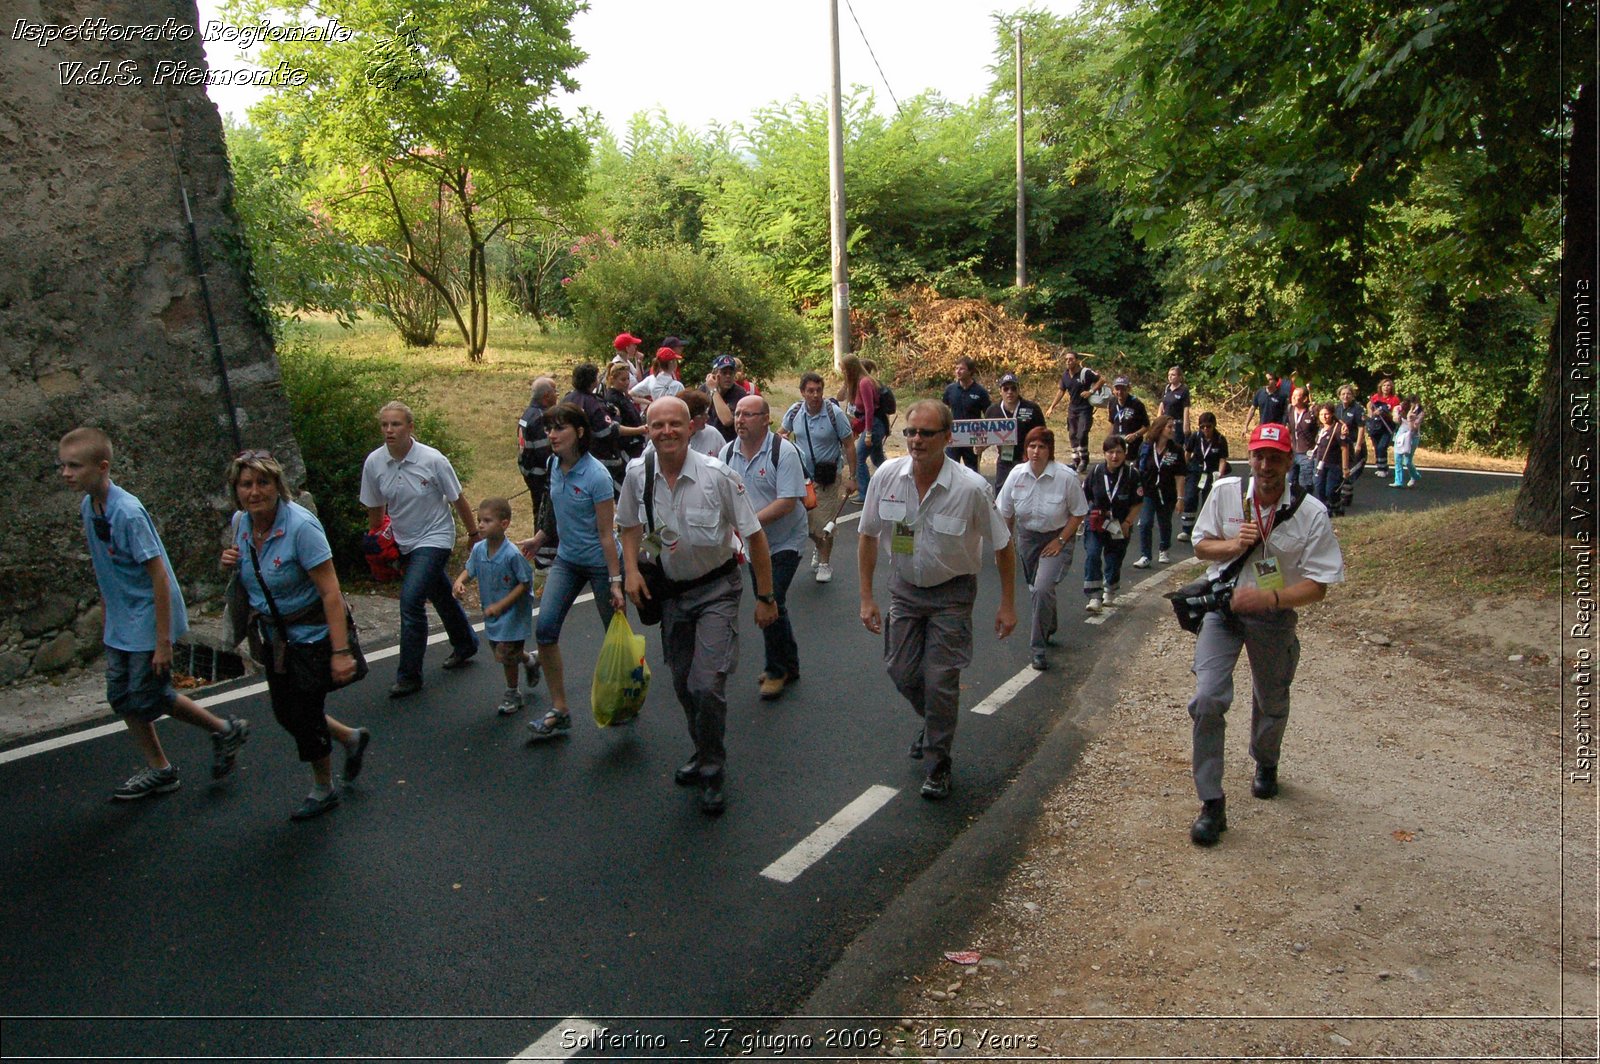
[(1274, 650), (700, 640), (1042, 575), (927, 641)]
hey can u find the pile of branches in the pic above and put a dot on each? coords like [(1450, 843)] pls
[(922, 334)]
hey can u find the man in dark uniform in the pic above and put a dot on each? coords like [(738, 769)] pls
[(725, 393), (1077, 382), (603, 435), (1029, 416), (533, 460), (1129, 418), (967, 399)]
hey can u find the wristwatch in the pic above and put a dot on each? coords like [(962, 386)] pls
[(766, 598)]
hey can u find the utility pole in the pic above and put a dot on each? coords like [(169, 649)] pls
[(1022, 191), (841, 273)]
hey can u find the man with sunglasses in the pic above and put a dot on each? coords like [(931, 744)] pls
[(144, 615), (932, 514)]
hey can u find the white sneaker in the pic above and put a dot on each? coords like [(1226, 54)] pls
[(1143, 562), (1107, 598), (1093, 605), (824, 572), (1183, 537), (1163, 558)]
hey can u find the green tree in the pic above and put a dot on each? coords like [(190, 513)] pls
[(452, 93)]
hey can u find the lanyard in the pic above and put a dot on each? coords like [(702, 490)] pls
[(1111, 492)]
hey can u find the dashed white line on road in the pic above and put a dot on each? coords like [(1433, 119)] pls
[(846, 519), (811, 849), (62, 741), (549, 1045), (1006, 692)]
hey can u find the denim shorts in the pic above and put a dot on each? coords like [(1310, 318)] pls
[(133, 688)]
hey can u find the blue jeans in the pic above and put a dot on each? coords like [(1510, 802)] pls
[(562, 588), (424, 582), (1303, 474), (1102, 562), (783, 654), (1380, 445), (1156, 511), (1328, 481), (880, 429)]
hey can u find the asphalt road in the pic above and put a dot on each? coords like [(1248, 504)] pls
[(473, 890)]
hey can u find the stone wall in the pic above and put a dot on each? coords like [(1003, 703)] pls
[(101, 316)]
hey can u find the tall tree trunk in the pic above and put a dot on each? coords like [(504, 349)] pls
[(1554, 483)]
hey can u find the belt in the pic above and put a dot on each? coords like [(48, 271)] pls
[(679, 587)]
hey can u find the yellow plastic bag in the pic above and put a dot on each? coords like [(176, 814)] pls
[(621, 676)]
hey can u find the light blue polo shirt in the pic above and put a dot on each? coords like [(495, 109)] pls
[(822, 434), (125, 587), (496, 576), (296, 546), (574, 495), (774, 473)]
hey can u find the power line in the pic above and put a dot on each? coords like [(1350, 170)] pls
[(874, 56)]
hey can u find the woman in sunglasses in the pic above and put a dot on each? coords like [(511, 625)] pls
[(297, 619)]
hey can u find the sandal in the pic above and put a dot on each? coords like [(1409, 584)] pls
[(552, 725)]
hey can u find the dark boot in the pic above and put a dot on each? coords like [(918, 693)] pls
[(1211, 823), (1265, 785)]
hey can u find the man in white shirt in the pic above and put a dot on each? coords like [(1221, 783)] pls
[(933, 515), (417, 487), (769, 465), (1290, 556), (697, 505)]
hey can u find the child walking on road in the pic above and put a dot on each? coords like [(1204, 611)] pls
[(505, 583), (144, 614)]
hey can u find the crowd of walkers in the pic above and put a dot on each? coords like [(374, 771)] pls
[(650, 491)]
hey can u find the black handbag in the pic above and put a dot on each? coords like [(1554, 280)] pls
[(308, 666), (1194, 600)]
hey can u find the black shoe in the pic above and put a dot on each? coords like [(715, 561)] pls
[(1040, 663), (457, 659), (352, 758), (1211, 823), (314, 807), (711, 800), (937, 785), (1265, 785), (688, 774), (915, 753), (402, 688)]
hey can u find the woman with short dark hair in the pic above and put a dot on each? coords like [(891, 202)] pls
[(1115, 498)]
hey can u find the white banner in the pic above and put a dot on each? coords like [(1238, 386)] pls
[(985, 432)]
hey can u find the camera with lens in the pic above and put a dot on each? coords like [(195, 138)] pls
[(1194, 600)]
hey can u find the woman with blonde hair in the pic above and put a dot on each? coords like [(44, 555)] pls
[(298, 619), (860, 395)]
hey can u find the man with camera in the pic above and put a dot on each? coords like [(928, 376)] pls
[(828, 452), (1271, 550)]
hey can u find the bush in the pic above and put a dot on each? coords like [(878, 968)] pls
[(660, 291), (333, 406)]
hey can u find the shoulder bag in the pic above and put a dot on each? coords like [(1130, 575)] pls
[(307, 665)]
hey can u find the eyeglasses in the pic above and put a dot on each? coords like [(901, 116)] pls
[(749, 413), (102, 528), (252, 456), (926, 434)]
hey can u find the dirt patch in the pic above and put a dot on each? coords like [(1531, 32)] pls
[(1404, 888)]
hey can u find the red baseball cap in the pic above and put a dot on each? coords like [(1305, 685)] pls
[(666, 354), (1272, 437), (625, 340)]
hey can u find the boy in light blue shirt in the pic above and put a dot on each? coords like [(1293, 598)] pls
[(505, 580), (144, 614)]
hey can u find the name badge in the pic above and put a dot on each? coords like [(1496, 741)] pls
[(904, 540), (1268, 576)]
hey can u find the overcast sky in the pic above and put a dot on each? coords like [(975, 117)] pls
[(706, 61)]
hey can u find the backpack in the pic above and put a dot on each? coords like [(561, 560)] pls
[(886, 403)]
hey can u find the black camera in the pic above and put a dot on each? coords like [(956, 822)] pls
[(1194, 600)]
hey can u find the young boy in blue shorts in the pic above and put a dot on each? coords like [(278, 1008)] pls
[(505, 583), (144, 614)]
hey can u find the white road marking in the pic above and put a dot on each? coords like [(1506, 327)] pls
[(811, 849), (1006, 692), (847, 518), (548, 1047), (247, 691)]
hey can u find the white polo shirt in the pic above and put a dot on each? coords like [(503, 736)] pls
[(1305, 545), (774, 473), (418, 490), (696, 518), (656, 386), (1042, 503), (948, 525)]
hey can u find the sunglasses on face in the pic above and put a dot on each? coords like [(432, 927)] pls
[(926, 434)]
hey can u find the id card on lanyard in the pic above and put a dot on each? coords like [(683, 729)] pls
[(1268, 574)]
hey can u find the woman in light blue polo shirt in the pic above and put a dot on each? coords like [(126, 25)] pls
[(282, 552), (585, 507)]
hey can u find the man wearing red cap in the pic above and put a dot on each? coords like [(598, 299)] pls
[(1279, 544)]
